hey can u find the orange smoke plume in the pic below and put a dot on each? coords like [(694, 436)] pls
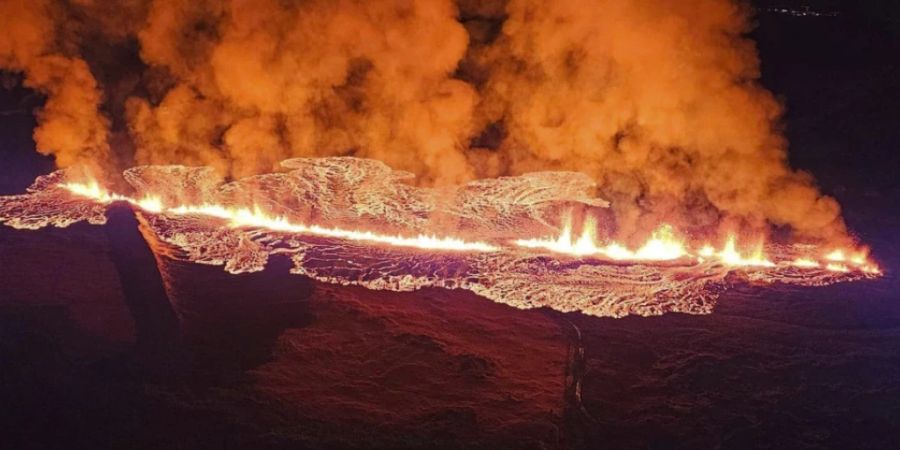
[(70, 126), (657, 100)]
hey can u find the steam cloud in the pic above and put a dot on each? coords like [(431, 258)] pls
[(657, 100)]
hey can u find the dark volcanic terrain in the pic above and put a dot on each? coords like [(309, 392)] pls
[(259, 360), (272, 360)]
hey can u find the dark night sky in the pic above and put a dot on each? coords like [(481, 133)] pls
[(836, 76)]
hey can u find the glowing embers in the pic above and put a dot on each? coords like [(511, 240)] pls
[(256, 218), (662, 245)]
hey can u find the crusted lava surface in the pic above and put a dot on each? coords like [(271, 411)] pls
[(351, 193)]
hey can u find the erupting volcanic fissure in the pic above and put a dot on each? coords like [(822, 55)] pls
[(654, 106), (255, 218), (662, 245), (353, 221)]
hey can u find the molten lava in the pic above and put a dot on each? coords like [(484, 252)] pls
[(256, 218), (664, 244), (351, 221)]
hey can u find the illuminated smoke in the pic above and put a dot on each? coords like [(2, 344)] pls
[(261, 81), (70, 126), (657, 100)]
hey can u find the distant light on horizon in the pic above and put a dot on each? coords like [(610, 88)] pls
[(804, 11)]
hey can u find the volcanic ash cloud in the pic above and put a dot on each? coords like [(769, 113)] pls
[(657, 101)]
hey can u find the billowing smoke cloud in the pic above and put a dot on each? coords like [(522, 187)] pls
[(70, 125), (657, 100), (260, 81)]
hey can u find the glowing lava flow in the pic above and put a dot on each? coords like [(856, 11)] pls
[(838, 262), (255, 218), (662, 245), (665, 245)]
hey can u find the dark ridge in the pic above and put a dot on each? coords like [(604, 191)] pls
[(156, 326)]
